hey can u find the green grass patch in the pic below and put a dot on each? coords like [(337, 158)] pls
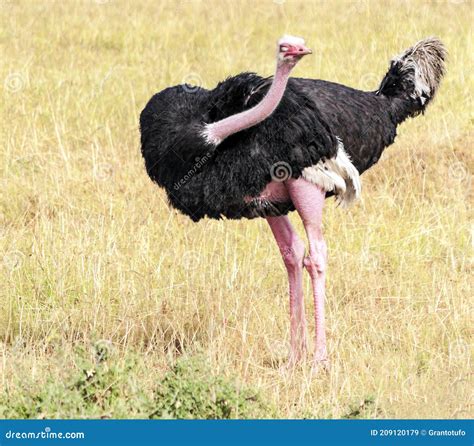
[(106, 386)]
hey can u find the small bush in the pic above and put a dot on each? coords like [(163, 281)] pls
[(190, 391), (106, 386), (366, 409), (99, 389)]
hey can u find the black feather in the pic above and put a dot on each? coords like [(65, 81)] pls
[(202, 180)]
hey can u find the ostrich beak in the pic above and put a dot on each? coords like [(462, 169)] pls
[(298, 50)]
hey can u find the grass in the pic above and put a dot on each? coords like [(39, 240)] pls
[(104, 384), (90, 253)]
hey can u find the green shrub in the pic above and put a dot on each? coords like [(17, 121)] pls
[(366, 409), (106, 386), (190, 391), (99, 389)]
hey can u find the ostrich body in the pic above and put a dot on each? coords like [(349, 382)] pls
[(262, 147)]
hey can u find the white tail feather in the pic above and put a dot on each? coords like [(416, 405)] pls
[(336, 175)]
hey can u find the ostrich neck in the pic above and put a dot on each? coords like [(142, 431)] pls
[(218, 131)]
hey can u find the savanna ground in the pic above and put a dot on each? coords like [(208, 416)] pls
[(113, 305)]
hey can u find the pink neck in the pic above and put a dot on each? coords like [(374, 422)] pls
[(218, 131)]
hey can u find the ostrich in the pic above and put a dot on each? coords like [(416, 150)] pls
[(262, 147)]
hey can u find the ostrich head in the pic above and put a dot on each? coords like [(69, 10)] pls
[(290, 50)]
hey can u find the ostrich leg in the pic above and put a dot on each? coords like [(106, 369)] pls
[(308, 200), (292, 250)]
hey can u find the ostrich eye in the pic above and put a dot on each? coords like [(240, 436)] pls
[(283, 48)]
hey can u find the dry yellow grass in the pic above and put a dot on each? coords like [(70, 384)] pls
[(89, 249)]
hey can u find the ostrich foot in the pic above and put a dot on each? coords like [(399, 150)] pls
[(320, 366), (320, 361), (295, 359)]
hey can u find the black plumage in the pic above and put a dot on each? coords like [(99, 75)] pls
[(206, 180), (202, 180), (363, 120)]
